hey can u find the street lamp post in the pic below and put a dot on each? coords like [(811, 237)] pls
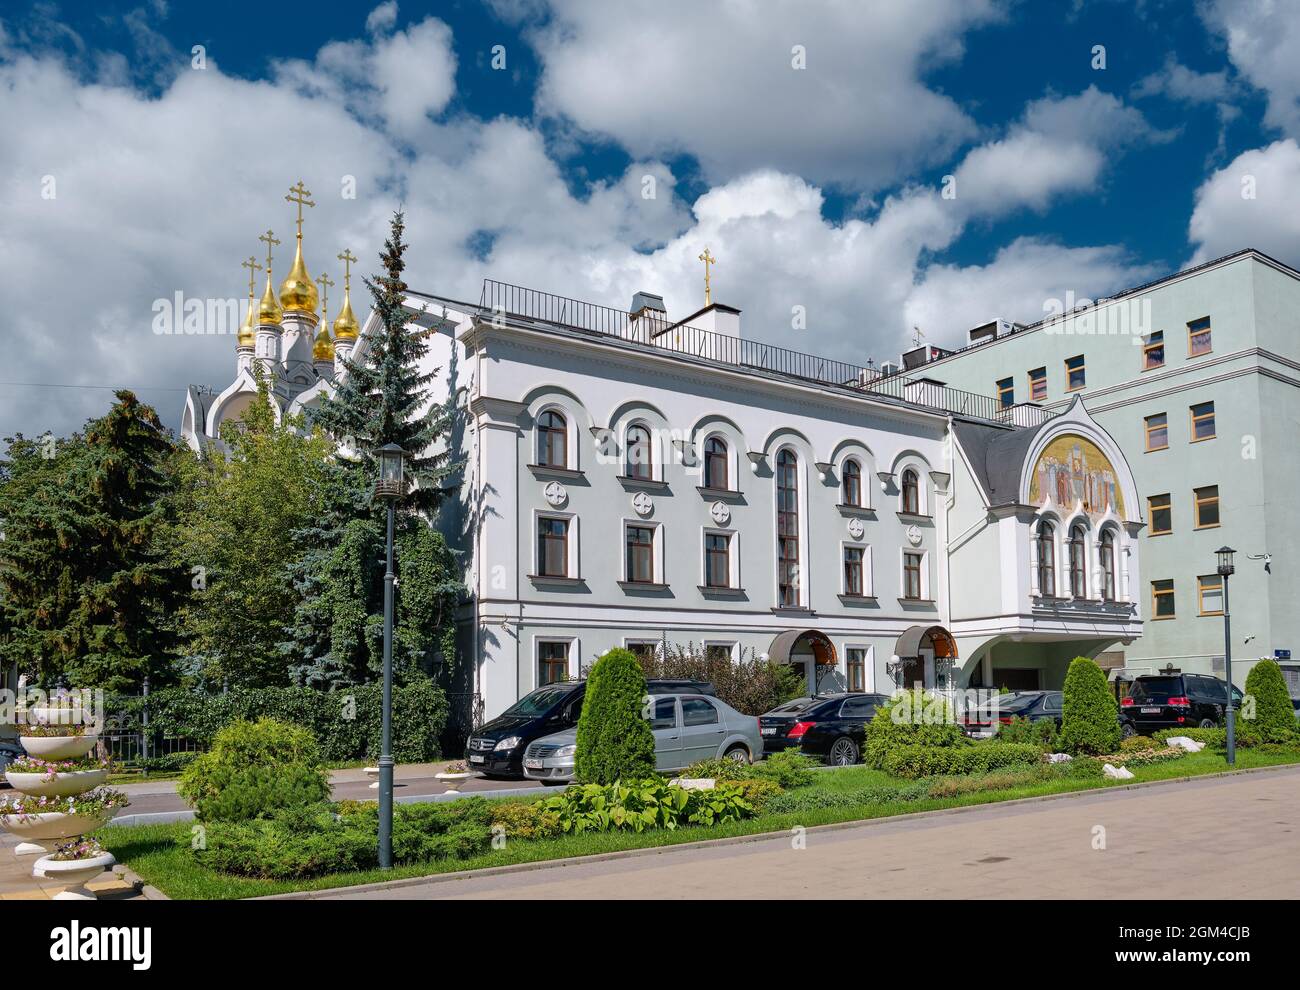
[(1224, 555), (389, 486)]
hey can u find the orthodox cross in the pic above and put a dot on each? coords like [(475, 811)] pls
[(298, 194), (269, 240), (708, 259), (347, 257), (253, 268), (325, 283)]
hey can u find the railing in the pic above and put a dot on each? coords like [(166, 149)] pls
[(502, 300)]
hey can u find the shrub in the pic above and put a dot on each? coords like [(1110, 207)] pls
[(748, 684), (759, 792), (1134, 744), (947, 787), (911, 762), (1214, 738), (644, 804), (718, 768), (419, 716), (910, 718), (254, 769), (1022, 730), (788, 768), (1090, 722), (614, 738), (817, 800), (314, 840), (526, 820), (1274, 720), (1081, 767)]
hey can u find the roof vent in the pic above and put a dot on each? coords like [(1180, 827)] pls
[(647, 300)]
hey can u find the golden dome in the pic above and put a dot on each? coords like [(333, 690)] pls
[(298, 291), (247, 334), (323, 349), (345, 324), (268, 310)]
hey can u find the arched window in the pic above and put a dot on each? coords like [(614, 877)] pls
[(851, 483), (552, 440), (1108, 565), (1078, 570), (1046, 559), (787, 527), (715, 463), (640, 464), (911, 492)]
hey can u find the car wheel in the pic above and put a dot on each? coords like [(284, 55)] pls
[(1127, 730), (844, 752), (1208, 723), (737, 754)]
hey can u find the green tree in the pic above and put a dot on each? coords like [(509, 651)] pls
[(1090, 717), (237, 536), (88, 586), (336, 634), (615, 741), (1274, 720)]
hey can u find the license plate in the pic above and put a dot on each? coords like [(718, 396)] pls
[(767, 732), (1150, 711), (532, 763), (477, 759)]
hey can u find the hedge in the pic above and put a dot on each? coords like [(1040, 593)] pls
[(1090, 716), (912, 718), (911, 762), (346, 723), (614, 741), (1274, 716)]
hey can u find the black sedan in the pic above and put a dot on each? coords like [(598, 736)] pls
[(830, 727), (1033, 706)]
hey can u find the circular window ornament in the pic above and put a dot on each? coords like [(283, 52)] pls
[(856, 529), (720, 513), (914, 535), (643, 504), (555, 494)]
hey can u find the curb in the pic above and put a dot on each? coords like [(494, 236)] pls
[(735, 840)]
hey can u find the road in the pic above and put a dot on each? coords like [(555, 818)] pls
[(1166, 841), (150, 797)]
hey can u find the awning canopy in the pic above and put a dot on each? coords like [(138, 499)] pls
[(915, 638), (785, 643)]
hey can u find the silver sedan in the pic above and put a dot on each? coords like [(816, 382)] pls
[(687, 728)]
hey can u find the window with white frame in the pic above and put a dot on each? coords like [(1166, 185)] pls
[(855, 572), (857, 665), (639, 564), (1045, 542), (910, 492), (553, 660), (720, 569), (1078, 561), (638, 459), (718, 651), (552, 439), (717, 467), (851, 483), (916, 582), (789, 579), (556, 546)]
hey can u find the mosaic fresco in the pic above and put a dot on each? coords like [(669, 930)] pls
[(1071, 470)]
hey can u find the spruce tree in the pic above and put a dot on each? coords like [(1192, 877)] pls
[(383, 398)]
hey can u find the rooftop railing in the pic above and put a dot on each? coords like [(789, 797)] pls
[(651, 329)]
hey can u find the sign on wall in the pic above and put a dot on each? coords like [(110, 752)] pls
[(1072, 469)]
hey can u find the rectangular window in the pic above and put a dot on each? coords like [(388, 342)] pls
[(640, 555), (856, 660), (1161, 512), (853, 571), (552, 663), (717, 560), (1153, 351), (1006, 392), (1162, 599), (1157, 431), (718, 652), (644, 650), (1207, 507), (1075, 376), (1198, 337), (912, 576), (1038, 385), (1203, 421), (552, 547), (1209, 592)]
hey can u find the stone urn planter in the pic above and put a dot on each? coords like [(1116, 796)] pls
[(453, 778), (56, 784), (75, 873), (59, 747)]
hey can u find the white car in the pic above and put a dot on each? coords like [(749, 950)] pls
[(687, 728)]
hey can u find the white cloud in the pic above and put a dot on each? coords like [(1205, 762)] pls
[(1224, 220), (1178, 82), (1263, 37), (716, 81), (382, 19)]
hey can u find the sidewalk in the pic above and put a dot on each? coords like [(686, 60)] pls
[(18, 884)]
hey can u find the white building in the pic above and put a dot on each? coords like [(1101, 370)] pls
[(631, 478)]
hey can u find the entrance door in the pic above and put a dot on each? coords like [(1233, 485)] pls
[(913, 671), (1016, 678)]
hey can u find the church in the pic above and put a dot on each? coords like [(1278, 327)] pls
[(634, 477)]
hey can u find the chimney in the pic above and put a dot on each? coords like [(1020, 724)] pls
[(647, 317)]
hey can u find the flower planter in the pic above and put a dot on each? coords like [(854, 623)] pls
[(454, 780), (49, 829), (58, 784), (59, 747), (74, 873), (46, 715)]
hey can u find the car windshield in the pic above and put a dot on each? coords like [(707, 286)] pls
[(1156, 688), (537, 702), (1014, 702)]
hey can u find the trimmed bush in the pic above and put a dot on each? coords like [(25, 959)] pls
[(645, 804), (1274, 720), (614, 737), (910, 718), (1090, 722), (525, 820), (345, 724), (1022, 730), (1214, 738), (911, 762), (253, 770), (788, 768)]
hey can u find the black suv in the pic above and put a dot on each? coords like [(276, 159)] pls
[(829, 726), (1035, 706), (496, 749), (1175, 701)]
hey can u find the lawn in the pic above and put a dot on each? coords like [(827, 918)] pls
[(161, 853)]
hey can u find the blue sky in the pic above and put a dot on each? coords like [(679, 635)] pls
[(816, 186)]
